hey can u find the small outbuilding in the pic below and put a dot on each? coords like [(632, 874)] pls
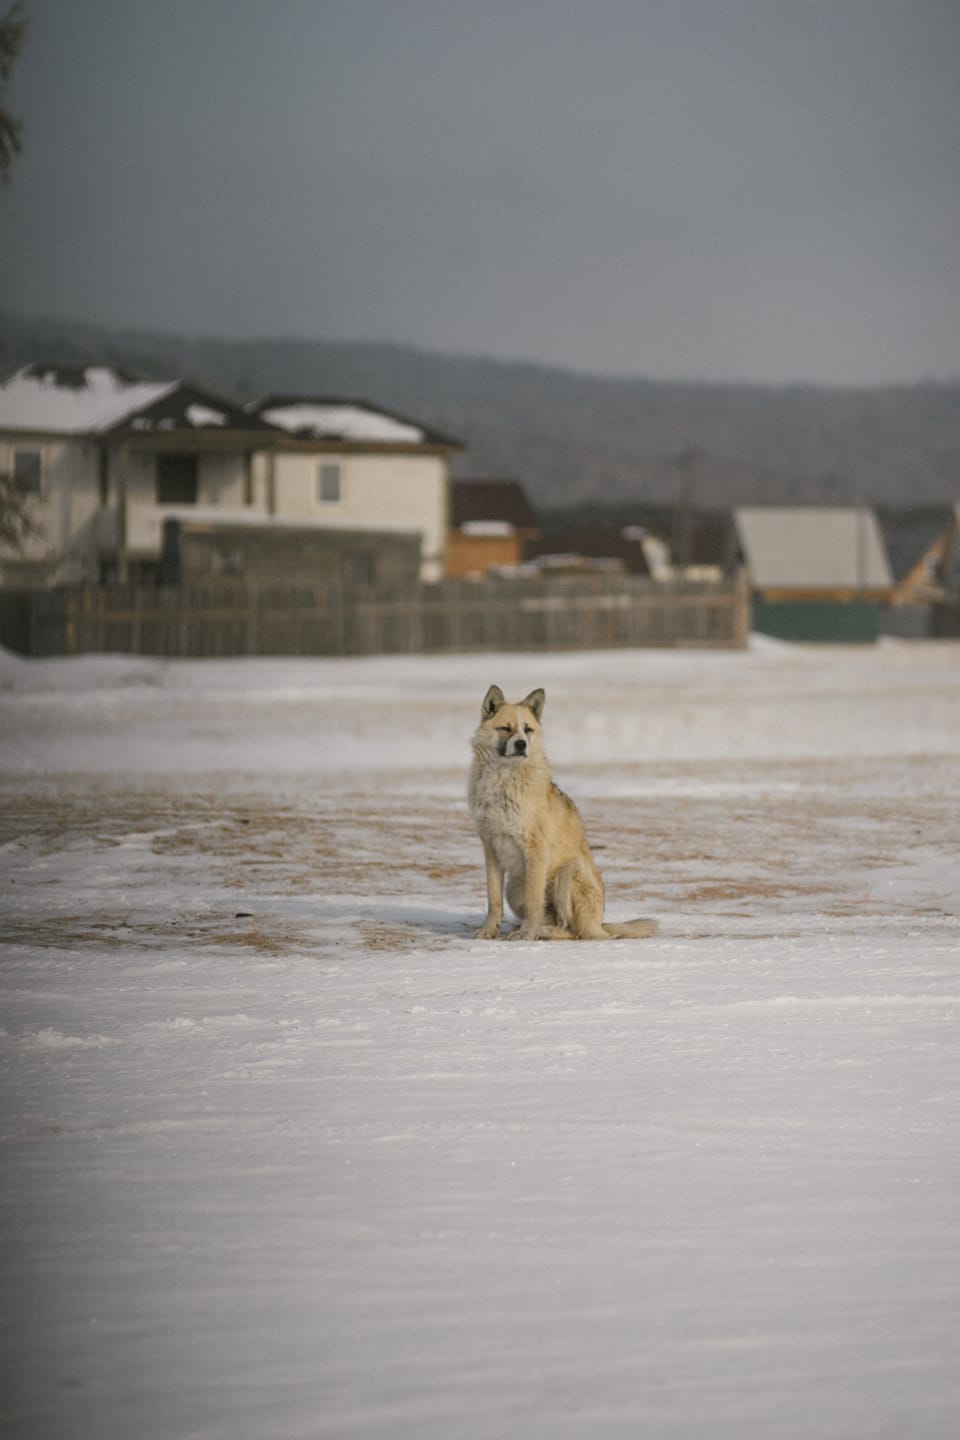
[(816, 573), (491, 525), (917, 542)]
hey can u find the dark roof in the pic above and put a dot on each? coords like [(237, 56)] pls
[(187, 407), (909, 535), (473, 501)]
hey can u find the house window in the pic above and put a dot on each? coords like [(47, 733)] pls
[(28, 472), (329, 483), (176, 479)]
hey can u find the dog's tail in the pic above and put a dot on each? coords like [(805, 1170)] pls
[(630, 929)]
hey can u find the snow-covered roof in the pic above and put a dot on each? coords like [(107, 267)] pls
[(807, 547), (341, 422), (487, 529), (65, 401), (94, 399), (327, 418)]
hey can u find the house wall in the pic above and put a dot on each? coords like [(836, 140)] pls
[(291, 555), (474, 554), (406, 492), (64, 548), (379, 492), (831, 621), (220, 486)]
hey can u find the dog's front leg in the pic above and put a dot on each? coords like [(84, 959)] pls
[(534, 898), (491, 926)]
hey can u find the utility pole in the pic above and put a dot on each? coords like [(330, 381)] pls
[(686, 464)]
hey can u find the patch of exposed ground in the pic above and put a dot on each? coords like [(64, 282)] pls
[(148, 932), (691, 840)]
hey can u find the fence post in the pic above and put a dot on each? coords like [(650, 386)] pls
[(741, 609), (70, 626), (250, 600)]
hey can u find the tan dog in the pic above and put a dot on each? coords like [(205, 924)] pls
[(532, 834)]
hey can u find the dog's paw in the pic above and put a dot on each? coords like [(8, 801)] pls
[(521, 934), (487, 932)]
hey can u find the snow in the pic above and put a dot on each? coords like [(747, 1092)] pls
[(488, 529), (342, 421), (37, 402), (287, 1153), (203, 416)]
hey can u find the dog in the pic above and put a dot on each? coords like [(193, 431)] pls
[(534, 843)]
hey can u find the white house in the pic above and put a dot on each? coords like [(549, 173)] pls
[(345, 463), (103, 458)]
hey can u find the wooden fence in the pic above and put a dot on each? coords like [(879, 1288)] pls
[(545, 614)]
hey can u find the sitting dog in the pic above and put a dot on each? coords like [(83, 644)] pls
[(532, 834)]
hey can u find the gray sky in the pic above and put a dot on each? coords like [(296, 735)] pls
[(718, 189)]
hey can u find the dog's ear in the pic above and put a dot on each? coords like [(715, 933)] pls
[(535, 702), (492, 702)]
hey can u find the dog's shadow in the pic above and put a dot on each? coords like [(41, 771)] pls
[(406, 916), (450, 924)]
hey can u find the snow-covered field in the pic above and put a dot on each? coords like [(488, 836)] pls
[(285, 1152)]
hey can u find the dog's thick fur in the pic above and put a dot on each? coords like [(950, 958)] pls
[(533, 837)]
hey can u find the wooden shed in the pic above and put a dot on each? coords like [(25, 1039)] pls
[(491, 525)]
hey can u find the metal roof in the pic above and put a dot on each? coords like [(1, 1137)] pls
[(813, 548)]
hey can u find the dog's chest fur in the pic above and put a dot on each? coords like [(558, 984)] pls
[(500, 799)]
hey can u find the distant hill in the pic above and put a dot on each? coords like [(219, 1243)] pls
[(577, 439)]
